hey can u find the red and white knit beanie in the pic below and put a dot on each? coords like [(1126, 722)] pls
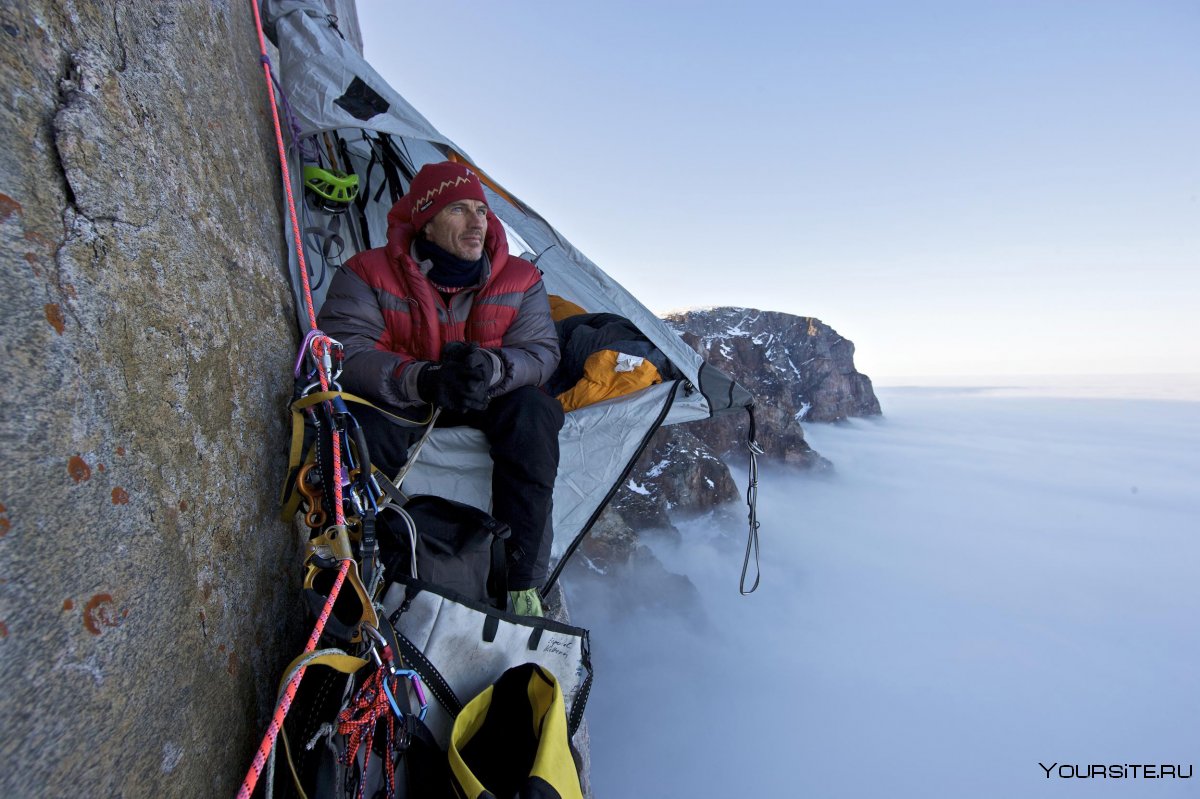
[(438, 185)]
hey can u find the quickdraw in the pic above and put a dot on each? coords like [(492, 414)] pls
[(385, 657), (359, 722)]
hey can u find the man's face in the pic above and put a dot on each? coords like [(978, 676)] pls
[(459, 228)]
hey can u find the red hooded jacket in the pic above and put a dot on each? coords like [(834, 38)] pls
[(390, 317)]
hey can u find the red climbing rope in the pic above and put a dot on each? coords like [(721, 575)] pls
[(287, 177), (285, 702), (320, 346)]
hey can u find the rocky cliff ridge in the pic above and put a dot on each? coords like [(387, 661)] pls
[(797, 367)]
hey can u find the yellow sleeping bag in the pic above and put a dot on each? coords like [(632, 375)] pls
[(608, 374), (604, 356)]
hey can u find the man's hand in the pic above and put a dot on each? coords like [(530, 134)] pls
[(459, 381), (483, 364)]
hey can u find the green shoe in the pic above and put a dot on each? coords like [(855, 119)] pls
[(527, 602)]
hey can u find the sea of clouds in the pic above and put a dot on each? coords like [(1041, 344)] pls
[(994, 577)]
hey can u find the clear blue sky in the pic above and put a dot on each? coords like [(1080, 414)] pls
[(967, 187)]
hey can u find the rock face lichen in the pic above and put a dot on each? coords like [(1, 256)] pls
[(148, 594)]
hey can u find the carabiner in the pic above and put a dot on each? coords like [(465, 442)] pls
[(387, 691), (333, 386), (303, 351), (418, 687), (376, 636), (328, 353)]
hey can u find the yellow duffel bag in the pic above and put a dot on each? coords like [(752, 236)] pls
[(511, 741)]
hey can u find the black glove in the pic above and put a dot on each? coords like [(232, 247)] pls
[(455, 383), (484, 365)]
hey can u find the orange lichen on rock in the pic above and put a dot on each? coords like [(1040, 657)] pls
[(120, 496), (96, 614), (78, 469), (54, 316), (8, 207)]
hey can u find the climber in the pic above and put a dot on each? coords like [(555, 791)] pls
[(443, 316)]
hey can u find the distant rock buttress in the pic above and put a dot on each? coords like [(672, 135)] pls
[(796, 367)]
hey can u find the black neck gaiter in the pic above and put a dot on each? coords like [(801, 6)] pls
[(448, 269)]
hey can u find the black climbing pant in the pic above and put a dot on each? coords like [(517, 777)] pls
[(521, 428)]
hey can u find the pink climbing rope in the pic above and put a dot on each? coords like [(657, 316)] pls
[(320, 346)]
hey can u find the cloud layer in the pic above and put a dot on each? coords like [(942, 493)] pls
[(988, 582)]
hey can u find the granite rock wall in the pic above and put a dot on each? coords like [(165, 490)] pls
[(148, 595)]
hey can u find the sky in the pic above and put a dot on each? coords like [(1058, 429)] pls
[(986, 187), (991, 579)]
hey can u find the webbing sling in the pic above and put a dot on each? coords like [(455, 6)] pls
[(335, 659)]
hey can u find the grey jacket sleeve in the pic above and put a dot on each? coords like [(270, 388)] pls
[(529, 350), (351, 315)]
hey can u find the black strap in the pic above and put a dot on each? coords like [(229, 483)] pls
[(575, 718), (323, 424), (535, 638), (432, 678), (368, 548), (389, 488), (497, 581), (491, 625), (393, 165), (360, 202)]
